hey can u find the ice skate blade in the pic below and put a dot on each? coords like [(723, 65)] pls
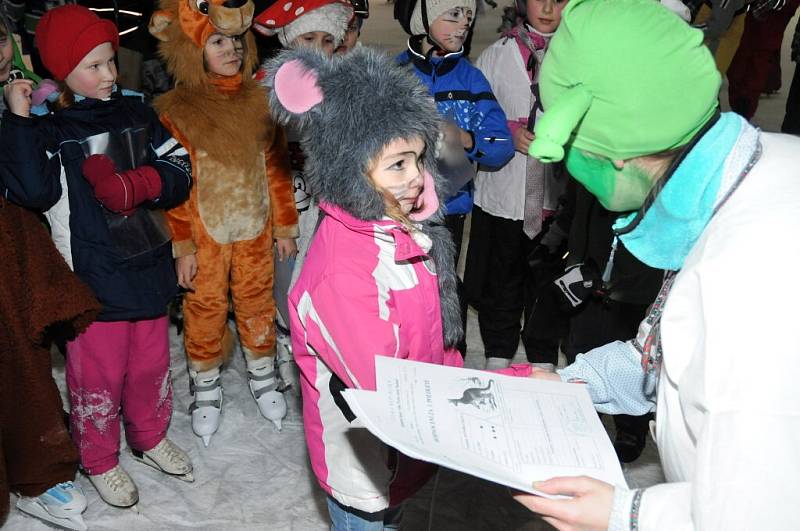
[(271, 409), (32, 507), (277, 422), (131, 507), (188, 477)]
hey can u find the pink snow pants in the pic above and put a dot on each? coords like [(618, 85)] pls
[(113, 364)]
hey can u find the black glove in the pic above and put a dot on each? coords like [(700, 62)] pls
[(577, 285)]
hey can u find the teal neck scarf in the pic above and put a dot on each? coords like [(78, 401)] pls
[(669, 228)]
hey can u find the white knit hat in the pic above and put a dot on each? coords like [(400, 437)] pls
[(435, 10)]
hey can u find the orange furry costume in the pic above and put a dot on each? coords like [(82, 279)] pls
[(242, 195)]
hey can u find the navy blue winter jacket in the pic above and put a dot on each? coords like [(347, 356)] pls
[(463, 95), (40, 161)]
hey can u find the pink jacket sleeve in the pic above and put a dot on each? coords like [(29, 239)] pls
[(345, 330), (518, 369)]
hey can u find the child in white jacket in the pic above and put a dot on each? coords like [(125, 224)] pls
[(512, 202)]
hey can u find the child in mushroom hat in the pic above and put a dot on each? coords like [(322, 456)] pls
[(320, 24), (311, 23)]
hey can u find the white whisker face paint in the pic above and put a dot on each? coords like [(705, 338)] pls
[(450, 29)]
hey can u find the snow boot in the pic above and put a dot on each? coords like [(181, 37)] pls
[(263, 379), (61, 505), (116, 487), (206, 388), (167, 457)]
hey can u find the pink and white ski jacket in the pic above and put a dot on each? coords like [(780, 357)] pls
[(366, 289)]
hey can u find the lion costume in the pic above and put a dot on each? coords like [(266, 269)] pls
[(242, 196)]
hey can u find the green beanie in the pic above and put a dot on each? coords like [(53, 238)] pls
[(622, 79)]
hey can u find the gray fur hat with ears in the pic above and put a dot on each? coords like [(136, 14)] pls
[(347, 109)]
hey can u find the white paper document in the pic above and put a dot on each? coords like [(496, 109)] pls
[(505, 429)]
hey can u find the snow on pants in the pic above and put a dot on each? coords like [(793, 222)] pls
[(118, 364), (245, 269)]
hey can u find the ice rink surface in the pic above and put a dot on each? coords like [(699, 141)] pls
[(255, 478)]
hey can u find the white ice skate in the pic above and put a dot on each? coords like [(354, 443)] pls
[(116, 487), (61, 505), (206, 388), (263, 381), (167, 457), (287, 368)]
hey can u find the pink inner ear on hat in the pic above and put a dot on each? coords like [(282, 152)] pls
[(296, 87)]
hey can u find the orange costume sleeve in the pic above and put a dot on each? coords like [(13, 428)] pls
[(179, 218), (281, 188)]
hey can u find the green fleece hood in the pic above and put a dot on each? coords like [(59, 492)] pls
[(622, 79)]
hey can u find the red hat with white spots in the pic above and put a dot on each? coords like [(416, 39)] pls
[(288, 19)]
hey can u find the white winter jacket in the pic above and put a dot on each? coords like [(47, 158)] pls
[(502, 192), (728, 422), (728, 403)]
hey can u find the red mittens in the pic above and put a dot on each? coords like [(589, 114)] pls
[(121, 192)]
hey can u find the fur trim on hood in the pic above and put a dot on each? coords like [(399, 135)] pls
[(347, 109)]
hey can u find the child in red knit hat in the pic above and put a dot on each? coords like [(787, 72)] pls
[(102, 167), (37, 291)]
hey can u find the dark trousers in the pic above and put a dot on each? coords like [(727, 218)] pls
[(757, 59), (455, 224), (546, 323), (791, 122), (601, 322), (502, 287)]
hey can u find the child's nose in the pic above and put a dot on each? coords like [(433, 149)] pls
[(417, 180), (230, 46)]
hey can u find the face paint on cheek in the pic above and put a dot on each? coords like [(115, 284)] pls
[(454, 41), (400, 191), (453, 28)]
